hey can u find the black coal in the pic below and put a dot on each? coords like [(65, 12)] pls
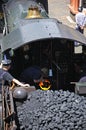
[(52, 110)]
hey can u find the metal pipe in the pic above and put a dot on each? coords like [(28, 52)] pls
[(14, 127), (6, 28)]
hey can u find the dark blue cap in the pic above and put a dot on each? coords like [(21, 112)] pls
[(6, 61), (34, 73)]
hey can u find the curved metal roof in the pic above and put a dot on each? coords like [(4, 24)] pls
[(39, 29)]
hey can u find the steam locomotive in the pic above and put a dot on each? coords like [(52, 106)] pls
[(31, 37)]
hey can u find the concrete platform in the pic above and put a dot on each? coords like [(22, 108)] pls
[(60, 10)]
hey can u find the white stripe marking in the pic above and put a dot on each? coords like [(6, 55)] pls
[(70, 19)]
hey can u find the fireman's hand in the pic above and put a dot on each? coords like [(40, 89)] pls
[(26, 85)]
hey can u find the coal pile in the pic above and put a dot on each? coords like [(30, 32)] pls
[(53, 110)]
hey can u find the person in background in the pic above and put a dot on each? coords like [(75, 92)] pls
[(80, 19), (31, 75), (5, 76)]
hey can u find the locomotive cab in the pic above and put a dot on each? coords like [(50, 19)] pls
[(58, 58)]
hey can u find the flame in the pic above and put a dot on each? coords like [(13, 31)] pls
[(45, 85)]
